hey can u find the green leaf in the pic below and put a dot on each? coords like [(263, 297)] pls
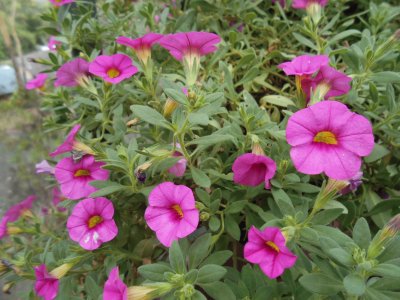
[(232, 227), (176, 258), (210, 273), (217, 258), (198, 118), (112, 188), (327, 216), (200, 178), (198, 251), (235, 207), (154, 272), (377, 153), (198, 296), (209, 140), (91, 288), (305, 41), (341, 256), (386, 77), (354, 284), (177, 95), (343, 35), (384, 206), (278, 100), (283, 201), (362, 234), (319, 283), (387, 270), (218, 291), (149, 115)]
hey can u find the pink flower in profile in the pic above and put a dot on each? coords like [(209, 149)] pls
[(190, 44), (59, 3), (327, 137), (53, 44), (75, 177), (142, 45), (251, 170), (172, 212), (304, 4), (58, 197), (304, 65), (267, 248), (37, 83), (114, 287), (46, 285), (68, 144), (91, 223), (15, 211), (44, 167), (113, 68), (70, 73)]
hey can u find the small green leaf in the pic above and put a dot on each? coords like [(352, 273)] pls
[(354, 284), (377, 153), (362, 234), (176, 258), (199, 250), (387, 270), (218, 291), (217, 258), (154, 272), (320, 283), (210, 273), (200, 178), (278, 100), (149, 115)]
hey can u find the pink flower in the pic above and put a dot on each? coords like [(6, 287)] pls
[(3, 227), (15, 211), (114, 287), (70, 73), (251, 170), (268, 249), (75, 177), (91, 223), (141, 46), (37, 83), (53, 44), (59, 3), (190, 44), (172, 212), (304, 65), (57, 198), (46, 285), (68, 144), (304, 4), (44, 167), (179, 168), (328, 137), (185, 91), (113, 68)]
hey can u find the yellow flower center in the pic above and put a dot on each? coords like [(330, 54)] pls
[(326, 137), (113, 72), (178, 210), (81, 172), (273, 246), (94, 221)]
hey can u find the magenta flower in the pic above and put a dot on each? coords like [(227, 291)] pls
[(70, 73), (141, 46), (304, 4), (172, 212), (44, 167), (58, 197), (327, 137), (114, 287), (75, 177), (91, 223), (190, 44), (37, 83), (304, 65), (15, 211), (113, 68), (59, 3), (46, 285), (53, 44), (68, 144), (267, 248), (251, 170)]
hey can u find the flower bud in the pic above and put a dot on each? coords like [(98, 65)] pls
[(204, 216), (132, 122), (148, 292), (314, 10), (60, 271), (81, 147), (169, 107), (7, 287)]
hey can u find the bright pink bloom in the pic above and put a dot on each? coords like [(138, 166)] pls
[(268, 249), (57, 198), (37, 83), (142, 46), (304, 65), (251, 170), (191, 44), (113, 68), (91, 223), (53, 44), (59, 3), (304, 4), (75, 177), (15, 211), (46, 285), (70, 73), (114, 287), (44, 167), (328, 137), (172, 212), (68, 144)]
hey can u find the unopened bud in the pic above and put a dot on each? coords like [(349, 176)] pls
[(204, 216), (7, 287), (394, 224), (60, 271), (12, 230), (148, 292), (132, 122), (169, 107), (81, 147)]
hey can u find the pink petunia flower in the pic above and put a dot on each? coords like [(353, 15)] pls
[(91, 223), (68, 144), (267, 248), (304, 65), (53, 44), (44, 167), (327, 137), (179, 168), (114, 287), (59, 3), (113, 68), (58, 197), (172, 212), (37, 83), (70, 73), (75, 177), (141, 46), (251, 170), (46, 285), (3, 227), (304, 4), (17, 210)]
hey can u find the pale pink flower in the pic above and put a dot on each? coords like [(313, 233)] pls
[(44, 167)]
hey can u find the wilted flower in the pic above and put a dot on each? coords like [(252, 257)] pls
[(70, 73), (75, 177), (53, 44), (46, 285), (113, 68), (267, 248), (91, 223), (172, 212), (114, 287), (353, 183), (44, 167), (37, 83), (141, 46), (61, 2), (328, 137)]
